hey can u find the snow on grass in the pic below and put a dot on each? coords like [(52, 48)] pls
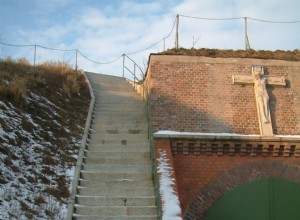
[(32, 173), (170, 203)]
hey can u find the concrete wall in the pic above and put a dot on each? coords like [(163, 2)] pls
[(196, 94)]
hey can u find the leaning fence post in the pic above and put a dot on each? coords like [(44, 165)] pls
[(134, 75), (123, 65), (247, 45), (76, 54), (177, 27), (34, 55)]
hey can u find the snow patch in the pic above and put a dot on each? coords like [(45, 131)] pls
[(170, 203), (24, 180), (167, 132)]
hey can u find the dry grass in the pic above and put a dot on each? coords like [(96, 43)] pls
[(259, 54), (29, 89), (15, 87)]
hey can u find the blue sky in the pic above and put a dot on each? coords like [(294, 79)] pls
[(105, 29)]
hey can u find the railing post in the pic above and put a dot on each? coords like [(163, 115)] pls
[(34, 55), (76, 54), (123, 65), (134, 75), (177, 27), (247, 45)]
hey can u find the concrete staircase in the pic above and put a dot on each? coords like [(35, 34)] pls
[(115, 179)]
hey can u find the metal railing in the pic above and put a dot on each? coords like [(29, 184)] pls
[(144, 89)]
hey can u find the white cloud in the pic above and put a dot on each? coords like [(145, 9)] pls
[(50, 5), (105, 31), (132, 8), (230, 34)]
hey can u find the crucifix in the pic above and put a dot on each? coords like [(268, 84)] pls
[(260, 80)]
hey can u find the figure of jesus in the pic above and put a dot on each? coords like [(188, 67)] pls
[(262, 96)]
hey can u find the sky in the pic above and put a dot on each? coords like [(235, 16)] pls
[(103, 30)]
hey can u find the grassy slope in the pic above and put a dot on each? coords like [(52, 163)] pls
[(42, 117)]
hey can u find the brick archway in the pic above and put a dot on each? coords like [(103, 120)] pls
[(228, 180)]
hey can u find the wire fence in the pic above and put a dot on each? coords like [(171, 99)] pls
[(189, 32)]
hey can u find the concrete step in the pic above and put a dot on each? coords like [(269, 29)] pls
[(122, 94), (118, 106), (122, 184), (113, 130), (90, 217), (124, 107), (117, 143), (122, 122), (114, 191), (109, 86), (115, 201), (126, 142), (97, 176), (125, 113), (117, 100), (115, 210), (99, 90), (117, 148), (113, 137), (102, 129), (119, 155), (122, 161), (104, 168), (121, 117), (115, 124)]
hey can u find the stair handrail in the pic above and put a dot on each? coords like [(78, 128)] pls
[(146, 97), (84, 141)]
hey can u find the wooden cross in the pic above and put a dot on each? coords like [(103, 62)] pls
[(260, 80)]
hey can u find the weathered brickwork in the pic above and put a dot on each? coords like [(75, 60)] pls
[(235, 148), (226, 173), (196, 94), (204, 176)]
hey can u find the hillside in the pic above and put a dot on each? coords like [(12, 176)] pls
[(42, 117)]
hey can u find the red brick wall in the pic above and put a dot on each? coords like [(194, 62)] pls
[(196, 94), (202, 179)]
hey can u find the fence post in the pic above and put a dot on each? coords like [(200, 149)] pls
[(247, 45), (134, 75), (34, 55), (123, 65), (177, 27), (76, 54)]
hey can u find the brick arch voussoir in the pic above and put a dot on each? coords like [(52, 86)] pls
[(230, 179)]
